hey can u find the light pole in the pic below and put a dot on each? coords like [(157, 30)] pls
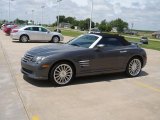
[(58, 13), (9, 11), (42, 14), (91, 16), (132, 24), (32, 17)]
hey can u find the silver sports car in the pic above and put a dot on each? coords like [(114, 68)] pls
[(88, 54), (35, 33)]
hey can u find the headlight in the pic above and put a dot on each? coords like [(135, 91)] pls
[(38, 60)]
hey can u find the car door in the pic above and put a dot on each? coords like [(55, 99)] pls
[(112, 56), (29, 32), (45, 34), (36, 34)]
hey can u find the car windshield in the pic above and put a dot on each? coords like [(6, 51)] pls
[(96, 30), (83, 41), (144, 37)]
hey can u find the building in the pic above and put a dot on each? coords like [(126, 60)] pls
[(65, 25), (156, 34), (114, 30)]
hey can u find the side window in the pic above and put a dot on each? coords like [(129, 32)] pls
[(111, 42), (43, 29), (29, 28), (35, 28)]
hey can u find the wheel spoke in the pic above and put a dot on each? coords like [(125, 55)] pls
[(63, 74), (134, 67)]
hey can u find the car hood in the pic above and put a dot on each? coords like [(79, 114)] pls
[(52, 49)]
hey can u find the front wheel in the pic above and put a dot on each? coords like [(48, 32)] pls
[(134, 67), (55, 39), (62, 74)]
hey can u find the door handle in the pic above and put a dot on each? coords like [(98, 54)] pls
[(123, 51)]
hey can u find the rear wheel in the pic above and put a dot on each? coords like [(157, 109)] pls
[(55, 39), (62, 74), (24, 38), (134, 67)]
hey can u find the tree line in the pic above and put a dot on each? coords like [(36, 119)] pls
[(103, 26)]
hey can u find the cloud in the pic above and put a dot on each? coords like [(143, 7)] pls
[(143, 13)]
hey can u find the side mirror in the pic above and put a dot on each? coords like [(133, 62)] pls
[(100, 46)]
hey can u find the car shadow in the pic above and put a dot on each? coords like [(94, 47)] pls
[(31, 42), (36, 42), (83, 80)]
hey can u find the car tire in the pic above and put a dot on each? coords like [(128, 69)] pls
[(24, 39), (61, 74), (134, 67), (55, 39)]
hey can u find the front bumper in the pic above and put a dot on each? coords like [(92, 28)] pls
[(61, 38), (34, 71)]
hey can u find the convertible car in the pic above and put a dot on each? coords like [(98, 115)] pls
[(89, 54)]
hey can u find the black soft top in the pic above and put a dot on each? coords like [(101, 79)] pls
[(105, 35)]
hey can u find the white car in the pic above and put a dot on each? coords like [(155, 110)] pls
[(35, 33), (94, 30)]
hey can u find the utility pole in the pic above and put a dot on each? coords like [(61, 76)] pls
[(42, 14), (9, 10), (91, 16), (32, 17), (58, 13), (132, 27)]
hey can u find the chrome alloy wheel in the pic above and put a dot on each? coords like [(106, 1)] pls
[(63, 74), (135, 67), (55, 39), (24, 39)]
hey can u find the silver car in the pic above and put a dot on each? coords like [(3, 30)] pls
[(144, 40), (35, 33)]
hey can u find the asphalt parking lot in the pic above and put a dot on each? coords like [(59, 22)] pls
[(105, 97)]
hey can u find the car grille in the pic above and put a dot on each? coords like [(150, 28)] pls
[(27, 58)]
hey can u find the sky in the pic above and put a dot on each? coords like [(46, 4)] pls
[(144, 14)]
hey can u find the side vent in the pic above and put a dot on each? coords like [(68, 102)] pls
[(84, 63)]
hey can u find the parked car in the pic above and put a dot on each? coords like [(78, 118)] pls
[(95, 30), (144, 40), (88, 54), (4, 25), (8, 28), (57, 30), (36, 33)]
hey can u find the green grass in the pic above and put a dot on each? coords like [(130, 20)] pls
[(155, 45), (68, 32), (71, 33)]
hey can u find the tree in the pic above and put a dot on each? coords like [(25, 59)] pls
[(119, 24), (61, 19), (84, 24), (102, 27), (108, 27), (70, 20), (20, 22)]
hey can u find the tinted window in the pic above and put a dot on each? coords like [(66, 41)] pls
[(84, 41), (111, 42), (144, 37), (29, 28), (35, 28), (43, 30)]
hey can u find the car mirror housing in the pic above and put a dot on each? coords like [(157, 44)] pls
[(100, 46)]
